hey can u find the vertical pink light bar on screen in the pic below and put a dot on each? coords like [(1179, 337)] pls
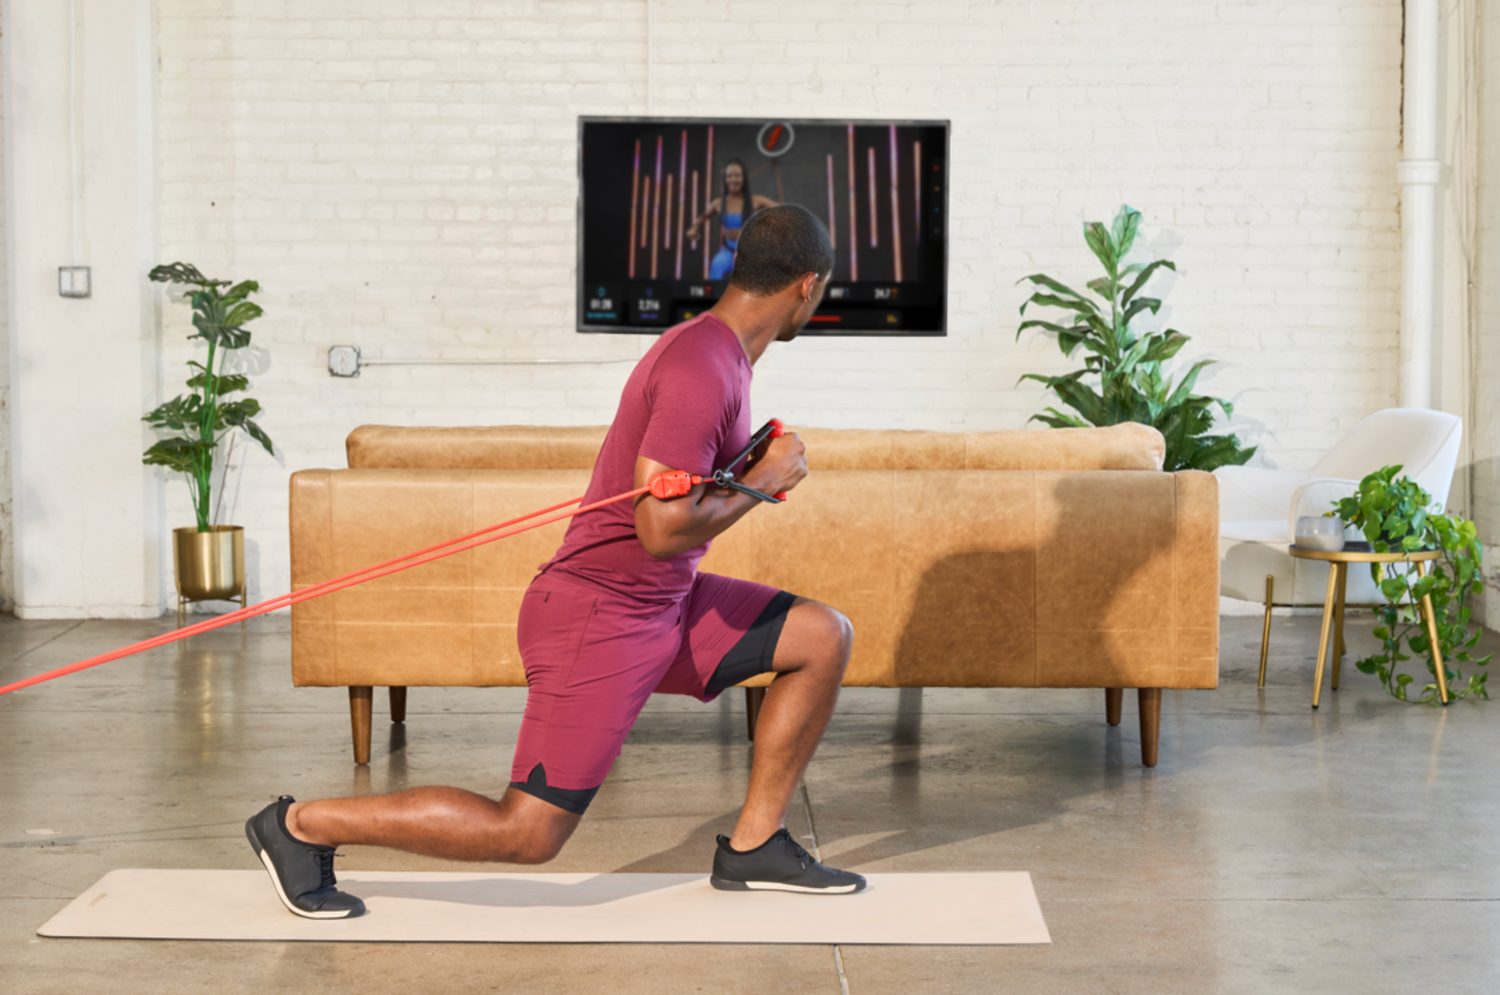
[(853, 212), (656, 211), (916, 193), (635, 202), (645, 210), (874, 202), (669, 213), (681, 203), (833, 231), (694, 201), (895, 205), (708, 196)]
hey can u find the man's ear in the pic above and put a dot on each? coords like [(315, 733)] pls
[(809, 281)]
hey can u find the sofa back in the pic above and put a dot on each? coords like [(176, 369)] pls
[(529, 447), (1025, 576)]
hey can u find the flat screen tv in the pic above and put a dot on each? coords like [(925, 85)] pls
[(661, 201)]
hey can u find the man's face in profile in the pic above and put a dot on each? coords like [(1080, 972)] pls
[(806, 308)]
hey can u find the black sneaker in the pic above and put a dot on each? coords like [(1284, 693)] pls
[(778, 864), (302, 872)]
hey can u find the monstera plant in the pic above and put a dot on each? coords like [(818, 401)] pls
[(210, 558), (195, 424), (1122, 379)]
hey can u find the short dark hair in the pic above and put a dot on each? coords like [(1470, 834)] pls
[(779, 246)]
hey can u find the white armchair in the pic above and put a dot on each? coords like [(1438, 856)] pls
[(1259, 508)]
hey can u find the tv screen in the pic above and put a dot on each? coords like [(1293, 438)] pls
[(661, 202)]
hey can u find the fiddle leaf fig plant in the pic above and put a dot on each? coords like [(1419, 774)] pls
[(195, 423), (1127, 364), (1397, 516)]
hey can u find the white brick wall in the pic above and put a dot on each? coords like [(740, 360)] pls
[(401, 175), (1486, 427), (7, 547)]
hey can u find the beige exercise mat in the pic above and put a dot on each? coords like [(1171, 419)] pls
[(980, 909)]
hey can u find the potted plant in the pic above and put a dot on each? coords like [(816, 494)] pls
[(1132, 386), (1397, 516), (210, 558)]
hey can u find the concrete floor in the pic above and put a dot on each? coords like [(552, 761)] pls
[(1273, 849)]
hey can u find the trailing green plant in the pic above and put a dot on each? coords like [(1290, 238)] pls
[(196, 423), (1132, 387), (1397, 516)]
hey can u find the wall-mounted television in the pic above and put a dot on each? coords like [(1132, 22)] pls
[(661, 202)]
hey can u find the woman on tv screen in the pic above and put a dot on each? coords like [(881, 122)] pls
[(735, 205)]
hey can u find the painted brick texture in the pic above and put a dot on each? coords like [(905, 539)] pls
[(1486, 427), (402, 176), (7, 545)]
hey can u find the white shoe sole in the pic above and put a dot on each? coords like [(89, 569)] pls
[(281, 893), (843, 889)]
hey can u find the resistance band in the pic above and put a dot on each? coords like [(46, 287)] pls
[(663, 486)]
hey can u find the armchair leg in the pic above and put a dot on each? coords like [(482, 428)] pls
[(1113, 699), (398, 704), (360, 700), (1149, 700), (754, 698), (1265, 632)]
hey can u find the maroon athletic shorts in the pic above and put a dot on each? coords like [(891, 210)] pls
[(592, 659)]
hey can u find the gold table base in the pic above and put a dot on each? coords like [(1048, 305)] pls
[(1333, 610)]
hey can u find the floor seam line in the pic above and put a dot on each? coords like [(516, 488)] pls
[(817, 852), (54, 639)]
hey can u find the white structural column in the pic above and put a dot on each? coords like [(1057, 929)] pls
[(1418, 174), (87, 514)]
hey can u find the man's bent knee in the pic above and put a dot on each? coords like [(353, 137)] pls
[(534, 831), (822, 638)]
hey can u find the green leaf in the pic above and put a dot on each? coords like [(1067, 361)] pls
[(1043, 280), (221, 385), (1145, 274), (1122, 232), (183, 273), (1098, 241), (1084, 307), (243, 314), (1165, 347)]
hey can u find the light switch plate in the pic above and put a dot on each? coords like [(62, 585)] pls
[(73, 281), (343, 360)]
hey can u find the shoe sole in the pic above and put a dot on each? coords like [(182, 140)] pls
[(265, 859), (724, 884)]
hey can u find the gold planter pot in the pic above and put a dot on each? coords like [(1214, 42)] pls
[(210, 565)]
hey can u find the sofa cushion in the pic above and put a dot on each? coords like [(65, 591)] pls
[(522, 447)]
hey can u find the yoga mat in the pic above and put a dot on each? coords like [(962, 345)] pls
[(405, 907)]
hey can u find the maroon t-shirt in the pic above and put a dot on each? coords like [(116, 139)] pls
[(687, 406)]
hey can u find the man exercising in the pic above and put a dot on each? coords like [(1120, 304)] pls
[(622, 611)]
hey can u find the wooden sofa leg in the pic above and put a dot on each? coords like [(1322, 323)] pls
[(398, 704), (1149, 700), (360, 700), (1113, 699), (754, 698)]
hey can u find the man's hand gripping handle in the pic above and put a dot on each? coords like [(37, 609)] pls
[(678, 483)]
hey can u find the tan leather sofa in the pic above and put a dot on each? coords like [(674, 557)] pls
[(1057, 558)]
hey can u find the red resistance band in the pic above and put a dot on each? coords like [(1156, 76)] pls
[(664, 485)]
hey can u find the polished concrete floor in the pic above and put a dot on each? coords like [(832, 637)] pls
[(1274, 849)]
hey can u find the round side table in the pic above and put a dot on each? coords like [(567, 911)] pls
[(1333, 606)]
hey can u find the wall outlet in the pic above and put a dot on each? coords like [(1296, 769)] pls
[(73, 281), (343, 360)]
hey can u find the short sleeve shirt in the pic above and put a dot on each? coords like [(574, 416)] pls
[(687, 406)]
